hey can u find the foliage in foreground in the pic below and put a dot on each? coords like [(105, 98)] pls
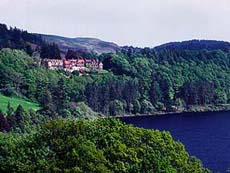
[(101, 145)]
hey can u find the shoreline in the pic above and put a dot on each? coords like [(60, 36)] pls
[(202, 109)]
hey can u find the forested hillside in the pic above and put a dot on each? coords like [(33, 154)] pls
[(176, 77), (134, 81), (33, 44), (63, 95), (57, 138), (197, 45)]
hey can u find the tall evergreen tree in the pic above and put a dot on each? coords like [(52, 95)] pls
[(4, 125), (47, 104), (16, 120)]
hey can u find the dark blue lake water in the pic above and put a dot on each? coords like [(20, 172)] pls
[(205, 135)]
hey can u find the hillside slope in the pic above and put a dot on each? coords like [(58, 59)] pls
[(84, 44), (14, 102), (196, 45)]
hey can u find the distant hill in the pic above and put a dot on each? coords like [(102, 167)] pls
[(15, 38), (42, 44), (197, 45), (83, 44)]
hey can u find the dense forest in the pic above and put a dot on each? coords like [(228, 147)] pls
[(134, 81), (15, 38), (176, 77)]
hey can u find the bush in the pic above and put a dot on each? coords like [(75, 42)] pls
[(82, 111), (147, 107), (102, 145), (116, 107)]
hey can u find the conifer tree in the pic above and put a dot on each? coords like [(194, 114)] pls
[(4, 125)]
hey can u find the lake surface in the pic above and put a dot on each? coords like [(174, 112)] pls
[(205, 135)]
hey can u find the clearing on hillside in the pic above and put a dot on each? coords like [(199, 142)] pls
[(14, 102)]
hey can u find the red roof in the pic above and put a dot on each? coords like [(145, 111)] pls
[(66, 62)]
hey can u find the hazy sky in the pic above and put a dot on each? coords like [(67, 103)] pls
[(125, 22)]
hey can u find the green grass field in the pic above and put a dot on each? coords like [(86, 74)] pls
[(14, 102)]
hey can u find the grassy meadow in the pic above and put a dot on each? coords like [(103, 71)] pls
[(14, 102)]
